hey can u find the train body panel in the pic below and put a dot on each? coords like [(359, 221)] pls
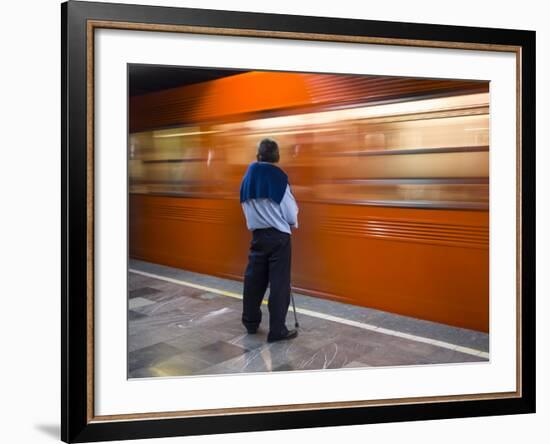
[(393, 196), (402, 260)]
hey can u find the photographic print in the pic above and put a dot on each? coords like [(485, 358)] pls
[(293, 221), (258, 202)]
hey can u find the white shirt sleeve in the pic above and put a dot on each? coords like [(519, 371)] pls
[(289, 208)]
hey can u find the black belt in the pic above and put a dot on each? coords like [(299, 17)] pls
[(268, 230)]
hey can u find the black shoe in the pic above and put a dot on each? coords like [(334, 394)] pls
[(251, 327), (290, 334)]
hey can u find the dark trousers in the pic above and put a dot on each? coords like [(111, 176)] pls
[(268, 262)]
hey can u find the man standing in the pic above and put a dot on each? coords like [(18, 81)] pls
[(270, 211)]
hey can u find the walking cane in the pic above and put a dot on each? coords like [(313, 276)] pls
[(294, 308)]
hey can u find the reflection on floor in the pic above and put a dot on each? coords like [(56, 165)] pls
[(182, 323)]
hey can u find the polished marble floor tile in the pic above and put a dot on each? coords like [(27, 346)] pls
[(139, 302), (219, 351), (268, 358), (197, 338), (184, 364), (145, 292), (150, 356), (154, 329), (137, 281), (433, 330), (135, 315), (177, 330)]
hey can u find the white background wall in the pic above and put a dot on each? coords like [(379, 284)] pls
[(30, 219)]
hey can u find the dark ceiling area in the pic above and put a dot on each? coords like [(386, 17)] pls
[(144, 79)]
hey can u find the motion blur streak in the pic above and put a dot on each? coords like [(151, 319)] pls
[(391, 176)]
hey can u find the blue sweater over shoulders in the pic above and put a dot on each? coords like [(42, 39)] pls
[(266, 199), (264, 180)]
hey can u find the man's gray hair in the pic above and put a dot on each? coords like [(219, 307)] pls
[(268, 151)]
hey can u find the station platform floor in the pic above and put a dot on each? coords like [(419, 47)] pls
[(182, 323)]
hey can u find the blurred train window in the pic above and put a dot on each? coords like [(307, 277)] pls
[(178, 161), (430, 152), (436, 132), (438, 158)]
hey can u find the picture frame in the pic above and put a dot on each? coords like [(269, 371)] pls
[(80, 21)]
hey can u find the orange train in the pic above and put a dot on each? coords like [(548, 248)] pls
[(391, 177)]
